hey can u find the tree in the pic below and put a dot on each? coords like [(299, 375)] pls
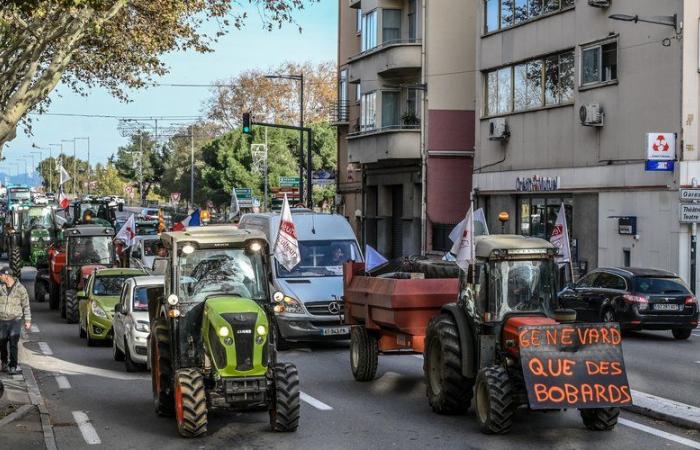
[(107, 180), (76, 168), (141, 150), (115, 44)]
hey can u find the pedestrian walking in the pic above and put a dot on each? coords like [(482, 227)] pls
[(14, 311)]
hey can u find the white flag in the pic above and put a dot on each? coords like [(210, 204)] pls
[(127, 233), (480, 227), (560, 237), (463, 248), (63, 175), (287, 246), (235, 207)]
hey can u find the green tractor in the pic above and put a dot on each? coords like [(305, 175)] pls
[(210, 344), (27, 233)]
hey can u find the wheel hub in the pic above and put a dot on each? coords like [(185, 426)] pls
[(482, 402)]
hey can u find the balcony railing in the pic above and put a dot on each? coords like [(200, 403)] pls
[(383, 45), (384, 129), (341, 114)]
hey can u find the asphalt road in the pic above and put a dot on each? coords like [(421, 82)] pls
[(85, 384)]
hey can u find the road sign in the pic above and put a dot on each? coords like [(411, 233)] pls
[(289, 182), (174, 197), (659, 166), (661, 146), (690, 213), (690, 194), (128, 189), (245, 197)]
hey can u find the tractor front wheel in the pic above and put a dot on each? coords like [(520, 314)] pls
[(286, 406), (600, 419), (448, 391), (494, 400), (161, 369), (190, 403), (364, 354), (71, 304), (16, 262)]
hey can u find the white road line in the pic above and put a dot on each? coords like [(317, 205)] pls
[(318, 404), (34, 328), (62, 382), (45, 349), (86, 429), (697, 362), (659, 433)]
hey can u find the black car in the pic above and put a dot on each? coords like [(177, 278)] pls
[(639, 299)]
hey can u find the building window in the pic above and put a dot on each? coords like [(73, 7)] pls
[(391, 25), (599, 63), (412, 20), (441, 236), (390, 108), (369, 30), (358, 21), (358, 92), (368, 112), (537, 215), (532, 84), (502, 14), (343, 95)]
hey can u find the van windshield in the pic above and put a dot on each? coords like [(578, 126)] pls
[(322, 259)]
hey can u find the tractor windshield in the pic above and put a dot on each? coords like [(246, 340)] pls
[(37, 217), (527, 286), (89, 250), (218, 272)]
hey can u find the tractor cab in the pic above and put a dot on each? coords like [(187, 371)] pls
[(97, 211), (37, 233)]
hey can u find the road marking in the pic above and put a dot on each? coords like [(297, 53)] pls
[(34, 328), (697, 362), (62, 382), (45, 349), (696, 334), (318, 404), (86, 429), (659, 433)]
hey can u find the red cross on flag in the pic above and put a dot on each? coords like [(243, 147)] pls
[(560, 237), (127, 233), (286, 245)]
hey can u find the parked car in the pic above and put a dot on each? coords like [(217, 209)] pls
[(131, 326), (96, 302), (149, 213), (639, 299)]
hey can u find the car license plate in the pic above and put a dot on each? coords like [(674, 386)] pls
[(335, 331), (666, 307)]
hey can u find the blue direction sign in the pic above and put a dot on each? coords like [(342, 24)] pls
[(659, 166)]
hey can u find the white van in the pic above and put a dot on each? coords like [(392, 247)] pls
[(314, 288)]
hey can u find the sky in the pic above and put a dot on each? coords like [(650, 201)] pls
[(240, 50)]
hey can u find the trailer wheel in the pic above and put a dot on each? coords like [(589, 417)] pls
[(54, 294), (494, 400), (448, 391), (364, 354), (161, 370), (16, 262), (600, 419), (190, 403), (286, 406), (71, 303)]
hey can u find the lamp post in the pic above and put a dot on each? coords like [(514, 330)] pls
[(670, 21), (88, 160)]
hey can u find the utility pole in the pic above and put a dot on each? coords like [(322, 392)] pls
[(192, 166), (141, 169), (265, 173), (89, 170)]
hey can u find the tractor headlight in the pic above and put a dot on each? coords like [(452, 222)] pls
[(261, 330), (255, 247), (33, 238), (293, 305), (47, 238), (141, 326), (173, 300), (97, 310), (188, 249), (223, 332)]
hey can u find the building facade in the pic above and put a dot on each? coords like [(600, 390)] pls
[(567, 98), (406, 119)]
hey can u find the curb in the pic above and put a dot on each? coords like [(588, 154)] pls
[(676, 413), (18, 414), (38, 401)]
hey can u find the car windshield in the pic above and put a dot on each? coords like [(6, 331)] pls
[(322, 259), (142, 294), (19, 195), (89, 250), (650, 285), (524, 286), (217, 272), (109, 285)]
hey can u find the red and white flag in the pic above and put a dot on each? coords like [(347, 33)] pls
[(287, 246), (63, 200), (560, 237), (127, 233), (463, 248)]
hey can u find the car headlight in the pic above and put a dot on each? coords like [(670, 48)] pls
[(97, 310), (141, 326), (293, 305)]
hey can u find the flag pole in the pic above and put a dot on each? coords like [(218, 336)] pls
[(473, 238)]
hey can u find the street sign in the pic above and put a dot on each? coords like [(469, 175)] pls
[(128, 189), (690, 213), (659, 166), (690, 194), (245, 197), (289, 182), (174, 197), (661, 146)]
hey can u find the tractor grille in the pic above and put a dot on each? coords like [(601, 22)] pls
[(217, 348), (321, 308), (243, 325)]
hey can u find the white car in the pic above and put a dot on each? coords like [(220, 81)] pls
[(130, 323)]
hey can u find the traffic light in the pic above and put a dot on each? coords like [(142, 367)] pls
[(246, 124)]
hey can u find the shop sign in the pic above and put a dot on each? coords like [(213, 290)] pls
[(661, 146), (627, 225), (537, 184), (659, 166)]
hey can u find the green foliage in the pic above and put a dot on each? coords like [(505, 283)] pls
[(108, 181), (128, 160)]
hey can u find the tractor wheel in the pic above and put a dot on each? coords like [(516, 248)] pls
[(286, 405), (161, 370), (71, 303), (62, 303), (190, 403), (15, 258), (117, 354), (448, 391), (54, 294), (494, 400), (39, 291), (600, 419), (364, 354)]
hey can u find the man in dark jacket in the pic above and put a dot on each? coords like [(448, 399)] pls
[(14, 312)]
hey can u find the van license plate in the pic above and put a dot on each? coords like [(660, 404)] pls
[(666, 307), (335, 331)]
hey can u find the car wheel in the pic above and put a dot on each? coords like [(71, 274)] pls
[(608, 315), (129, 363), (681, 333), (117, 354)]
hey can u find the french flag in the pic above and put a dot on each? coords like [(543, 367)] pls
[(192, 220)]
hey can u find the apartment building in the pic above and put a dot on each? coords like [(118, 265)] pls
[(406, 120), (571, 97)]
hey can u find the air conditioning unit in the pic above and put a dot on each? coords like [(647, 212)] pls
[(600, 3), (498, 129), (592, 115)]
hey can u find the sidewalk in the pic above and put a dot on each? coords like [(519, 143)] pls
[(20, 421)]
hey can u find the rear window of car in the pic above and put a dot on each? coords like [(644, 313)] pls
[(143, 294), (651, 285)]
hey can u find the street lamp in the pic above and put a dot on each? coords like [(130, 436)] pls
[(88, 160), (671, 21)]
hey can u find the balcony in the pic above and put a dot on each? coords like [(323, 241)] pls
[(354, 3), (393, 142), (390, 59), (341, 114)]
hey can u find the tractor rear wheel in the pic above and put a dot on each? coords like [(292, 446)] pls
[(448, 391), (364, 354), (190, 403), (600, 419), (494, 400), (161, 369), (54, 294), (286, 405), (15, 258), (71, 303)]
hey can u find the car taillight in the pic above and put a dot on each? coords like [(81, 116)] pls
[(690, 301), (641, 301)]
